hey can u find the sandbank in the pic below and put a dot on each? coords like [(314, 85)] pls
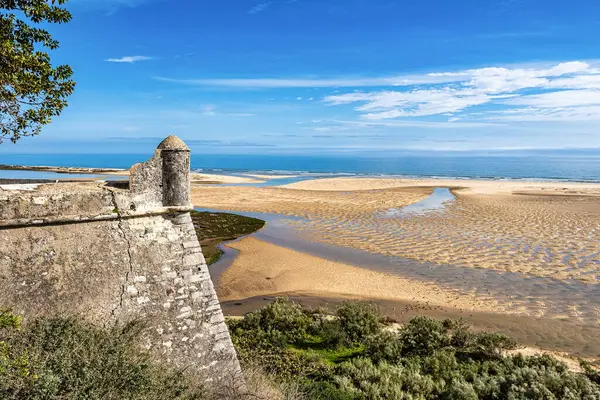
[(263, 271), (263, 268), (66, 170), (269, 177), (546, 229), (468, 186), (199, 178)]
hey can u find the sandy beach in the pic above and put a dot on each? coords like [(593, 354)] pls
[(263, 271), (543, 229), (512, 229), (263, 268), (221, 179), (471, 186)]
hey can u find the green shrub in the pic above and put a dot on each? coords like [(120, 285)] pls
[(13, 363), (490, 345), (459, 390), (422, 336), (68, 359), (383, 381), (359, 320), (329, 391), (282, 321), (591, 373), (425, 359), (385, 346), (333, 335)]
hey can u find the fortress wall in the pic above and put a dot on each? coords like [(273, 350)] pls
[(114, 255)]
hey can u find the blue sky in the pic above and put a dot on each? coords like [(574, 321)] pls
[(328, 76)]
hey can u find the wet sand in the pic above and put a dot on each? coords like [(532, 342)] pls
[(473, 186), (222, 179), (263, 271), (263, 268), (305, 203), (541, 229), (521, 256), (268, 177)]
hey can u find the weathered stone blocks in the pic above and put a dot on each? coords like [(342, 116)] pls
[(113, 255)]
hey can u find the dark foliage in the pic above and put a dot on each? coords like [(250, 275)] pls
[(32, 90), (65, 359), (213, 229), (424, 359), (359, 320)]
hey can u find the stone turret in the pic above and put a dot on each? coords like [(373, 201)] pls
[(175, 172), (164, 180), (108, 254)]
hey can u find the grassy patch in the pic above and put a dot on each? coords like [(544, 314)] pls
[(351, 357), (215, 228), (315, 347)]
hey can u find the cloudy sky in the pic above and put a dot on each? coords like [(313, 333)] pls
[(328, 76)]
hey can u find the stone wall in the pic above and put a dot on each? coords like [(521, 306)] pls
[(115, 255)]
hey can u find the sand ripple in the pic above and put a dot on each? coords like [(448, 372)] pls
[(547, 236), (528, 232)]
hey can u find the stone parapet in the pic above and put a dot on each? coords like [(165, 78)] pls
[(115, 255)]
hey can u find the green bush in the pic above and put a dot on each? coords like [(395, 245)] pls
[(13, 363), (386, 346), (359, 320), (283, 321), (425, 359), (66, 359), (489, 345), (422, 336)]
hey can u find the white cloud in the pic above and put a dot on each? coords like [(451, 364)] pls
[(577, 82), (110, 5), (532, 114), (409, 124), (417, 103), (498, 86), (241, 115), (552, 91), (564, 98), (209, 110), (277, 83), (129, 59), (260, 7), (495, 79)]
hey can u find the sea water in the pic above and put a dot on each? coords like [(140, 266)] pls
[(582, 168)]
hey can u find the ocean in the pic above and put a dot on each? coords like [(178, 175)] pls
[(581, 168)]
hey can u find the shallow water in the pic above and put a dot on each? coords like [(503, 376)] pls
[(537, 296), (437, 201), (17, 174), (270, 182)]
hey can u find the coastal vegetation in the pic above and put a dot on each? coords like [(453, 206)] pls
[(32, 90), (64, 358), (287, 352), (358, 354), (213, 229)]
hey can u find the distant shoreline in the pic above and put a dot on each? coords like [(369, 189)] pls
[(223, 175), (62, 170)]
